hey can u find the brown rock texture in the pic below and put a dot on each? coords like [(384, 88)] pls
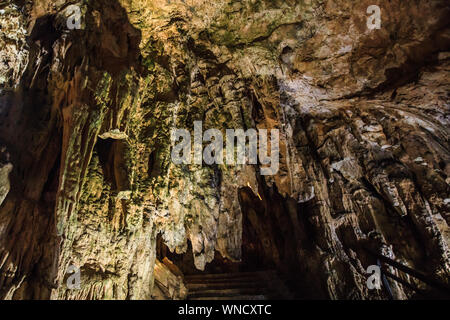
[(86, 177)]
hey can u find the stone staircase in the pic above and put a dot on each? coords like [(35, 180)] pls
[(260, 285)]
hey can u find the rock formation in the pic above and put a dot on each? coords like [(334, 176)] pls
[(86, 177)]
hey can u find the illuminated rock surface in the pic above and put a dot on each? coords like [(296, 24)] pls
[(86, 115)]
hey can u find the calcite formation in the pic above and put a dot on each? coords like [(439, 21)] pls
[(86, 177)]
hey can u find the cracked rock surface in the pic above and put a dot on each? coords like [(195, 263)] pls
[(86, 177)]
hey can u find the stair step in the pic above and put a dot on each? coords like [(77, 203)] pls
[(221, 280), (258, 285), (222, 275), (237, 297), (226, 292), (224, 285)]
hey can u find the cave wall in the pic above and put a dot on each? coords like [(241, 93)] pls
[(86, 115)]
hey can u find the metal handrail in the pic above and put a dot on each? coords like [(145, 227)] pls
[(403, 282), (414, 273)]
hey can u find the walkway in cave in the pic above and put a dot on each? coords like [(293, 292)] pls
[(268, 268), (223, 279), (262, 285)]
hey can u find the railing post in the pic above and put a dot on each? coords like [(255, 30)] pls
[(385, 282)]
